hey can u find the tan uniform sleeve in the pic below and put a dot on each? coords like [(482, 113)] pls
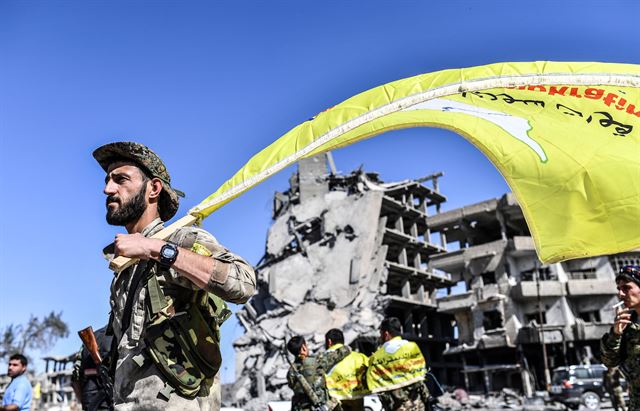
[(232, 279)]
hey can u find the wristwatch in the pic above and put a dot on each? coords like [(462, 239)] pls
[(168, 254)]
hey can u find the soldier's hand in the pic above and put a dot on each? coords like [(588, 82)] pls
[(136, 246), (623, 318)]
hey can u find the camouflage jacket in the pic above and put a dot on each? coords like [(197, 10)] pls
[(624, 351), (137, 380), (331, 357), (312, 371)]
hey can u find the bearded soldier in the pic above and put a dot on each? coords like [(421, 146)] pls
[(167, 308)]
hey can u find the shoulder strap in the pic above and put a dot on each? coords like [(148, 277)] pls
[(157, 299), (142, 270)]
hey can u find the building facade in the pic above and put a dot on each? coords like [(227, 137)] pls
[(509, 305)]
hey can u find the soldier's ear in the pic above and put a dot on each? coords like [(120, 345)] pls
[(155, 188)]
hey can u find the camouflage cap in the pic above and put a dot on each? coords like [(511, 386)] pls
[(144, 157), (629, 273)]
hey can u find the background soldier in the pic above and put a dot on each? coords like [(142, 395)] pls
[(621, 346), (397, 370), (305, 378), (186, 275), (345, 379)]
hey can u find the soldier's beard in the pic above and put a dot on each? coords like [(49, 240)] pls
[(128, 212)]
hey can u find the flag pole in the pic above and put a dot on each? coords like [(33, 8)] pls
[(119, 264)]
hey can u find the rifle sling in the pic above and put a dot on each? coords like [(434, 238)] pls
[(142, 270)]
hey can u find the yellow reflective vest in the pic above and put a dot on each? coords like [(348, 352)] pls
[(396, 364), (345, 381)]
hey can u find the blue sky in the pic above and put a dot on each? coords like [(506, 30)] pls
[(207, 85)]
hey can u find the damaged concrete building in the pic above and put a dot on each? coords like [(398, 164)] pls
[(342, 252), (512, 305), (346, 250)]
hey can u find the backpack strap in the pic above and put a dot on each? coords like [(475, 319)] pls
[(157, 300), (142, 270)]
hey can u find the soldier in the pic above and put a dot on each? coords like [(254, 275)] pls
[(306, 378), (345, 379), (397, 371), (611, 383), (620, 347), (164, 307)]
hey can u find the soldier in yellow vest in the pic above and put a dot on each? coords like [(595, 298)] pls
[(345, 381), (397, 371)]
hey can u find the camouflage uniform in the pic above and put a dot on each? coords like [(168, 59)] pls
[(330, 358), (623, 351), (409, 398), (313, 370), (611, 383), (137, 380)]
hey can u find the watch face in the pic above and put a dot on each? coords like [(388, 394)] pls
[(169, 252)]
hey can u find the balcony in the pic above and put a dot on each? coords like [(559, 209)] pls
[(590, 331), (522, 246), (591, 287), (527, 290), (403, 302), (553, 334), (458, 302), (455, 261)]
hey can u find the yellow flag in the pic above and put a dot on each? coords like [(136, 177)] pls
[(345, 381), (565, 136), (398, 363)]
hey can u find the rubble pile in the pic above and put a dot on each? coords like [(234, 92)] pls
[(506, 399), (319, 272)]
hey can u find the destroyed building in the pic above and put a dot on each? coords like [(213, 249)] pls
[(346, 250), (512, 305), (55, 384), (342, 252)]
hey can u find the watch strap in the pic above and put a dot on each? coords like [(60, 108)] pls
[(168, 262)]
